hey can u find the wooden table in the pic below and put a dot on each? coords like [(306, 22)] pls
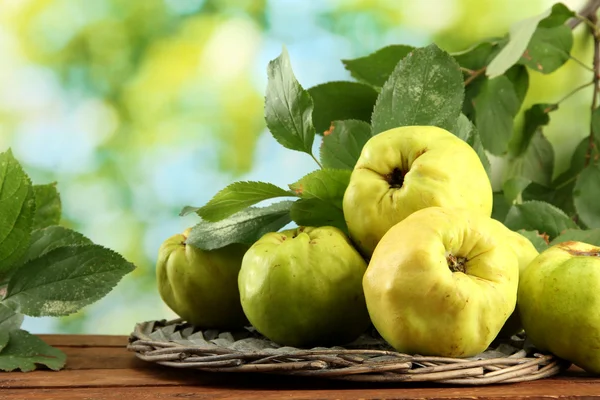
[(99, 367)]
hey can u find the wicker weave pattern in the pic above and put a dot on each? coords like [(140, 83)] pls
[(369, 359)]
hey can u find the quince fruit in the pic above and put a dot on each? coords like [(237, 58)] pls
[(559, 303), (406, 169), (303, 287), (442, 282), (201, 286)]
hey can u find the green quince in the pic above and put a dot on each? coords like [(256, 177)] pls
[(201, 286), (442, 282), (559, 303), (302, 287), (406, 169)]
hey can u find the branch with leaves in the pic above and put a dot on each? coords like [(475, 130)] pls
[(45, 269)]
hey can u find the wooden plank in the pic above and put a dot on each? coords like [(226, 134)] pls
[(516, 391), (85, 340), (103, 358)]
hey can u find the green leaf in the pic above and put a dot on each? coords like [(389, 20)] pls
[(520, 35), (466, 131), (376, 68), (475, 57), (238, 196), (586, 196), (341, 100), (589, 236), (538, 216), (288, 107), (519, 77), (500, 206), (325, 184), (187, 210), (17, 208), (317, 212), (548, 49), (63, 280), (535, 117), (513, 187), (342, 145), (561, 197), (496, 106), (426, 88), (536, 239), (9, 320), (47, 206), (537, 163), (246, 226), (26, 351), (4, 338), (53, 237)]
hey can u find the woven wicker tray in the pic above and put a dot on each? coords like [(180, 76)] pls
[(368, 359)]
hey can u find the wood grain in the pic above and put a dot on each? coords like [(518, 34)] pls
[(100, 367)]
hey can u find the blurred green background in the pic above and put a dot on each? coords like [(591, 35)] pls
[(140, 107)]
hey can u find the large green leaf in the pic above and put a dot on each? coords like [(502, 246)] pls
[(561, 196), (246, 226), (376, 68), (520, 35), (47, 206), (238, 196), (538, 216), (425, 88), (341, 100), (26, 351), (496, 106), (65, 279), (465, 130), (536, 164), (500, 207), (475, 57), (513, 187), (548, 49), (17, 208), (590, 236), (519, 77), (343, 143), (586, 196), (53, 237), (317, 212), (288, 107), (535, 117), (325, 184), (9, 319)]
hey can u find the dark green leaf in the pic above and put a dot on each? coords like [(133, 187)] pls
[(586, 196), (288, 107), (465, 130), (26, 351), (4, 338), (537, 163), (475, 57), (238, 196), (495, 108), (513, 187), (63, 280), (325, 184), (317, 212), (589, 236), (536, 239), (47, 206), (561, 197), (535, 117), (342, 145), (246, 226), (341, 100), (48, 239), (519, 77), (548, 49), (376, 68), (17, 208), (426, 88), (500, 207), (538, 216), (520, 35), (9, 320)]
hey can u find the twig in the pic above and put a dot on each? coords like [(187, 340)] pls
[(581, 63), (474, 75), (572, 92), (588, 153), (587, 12)]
